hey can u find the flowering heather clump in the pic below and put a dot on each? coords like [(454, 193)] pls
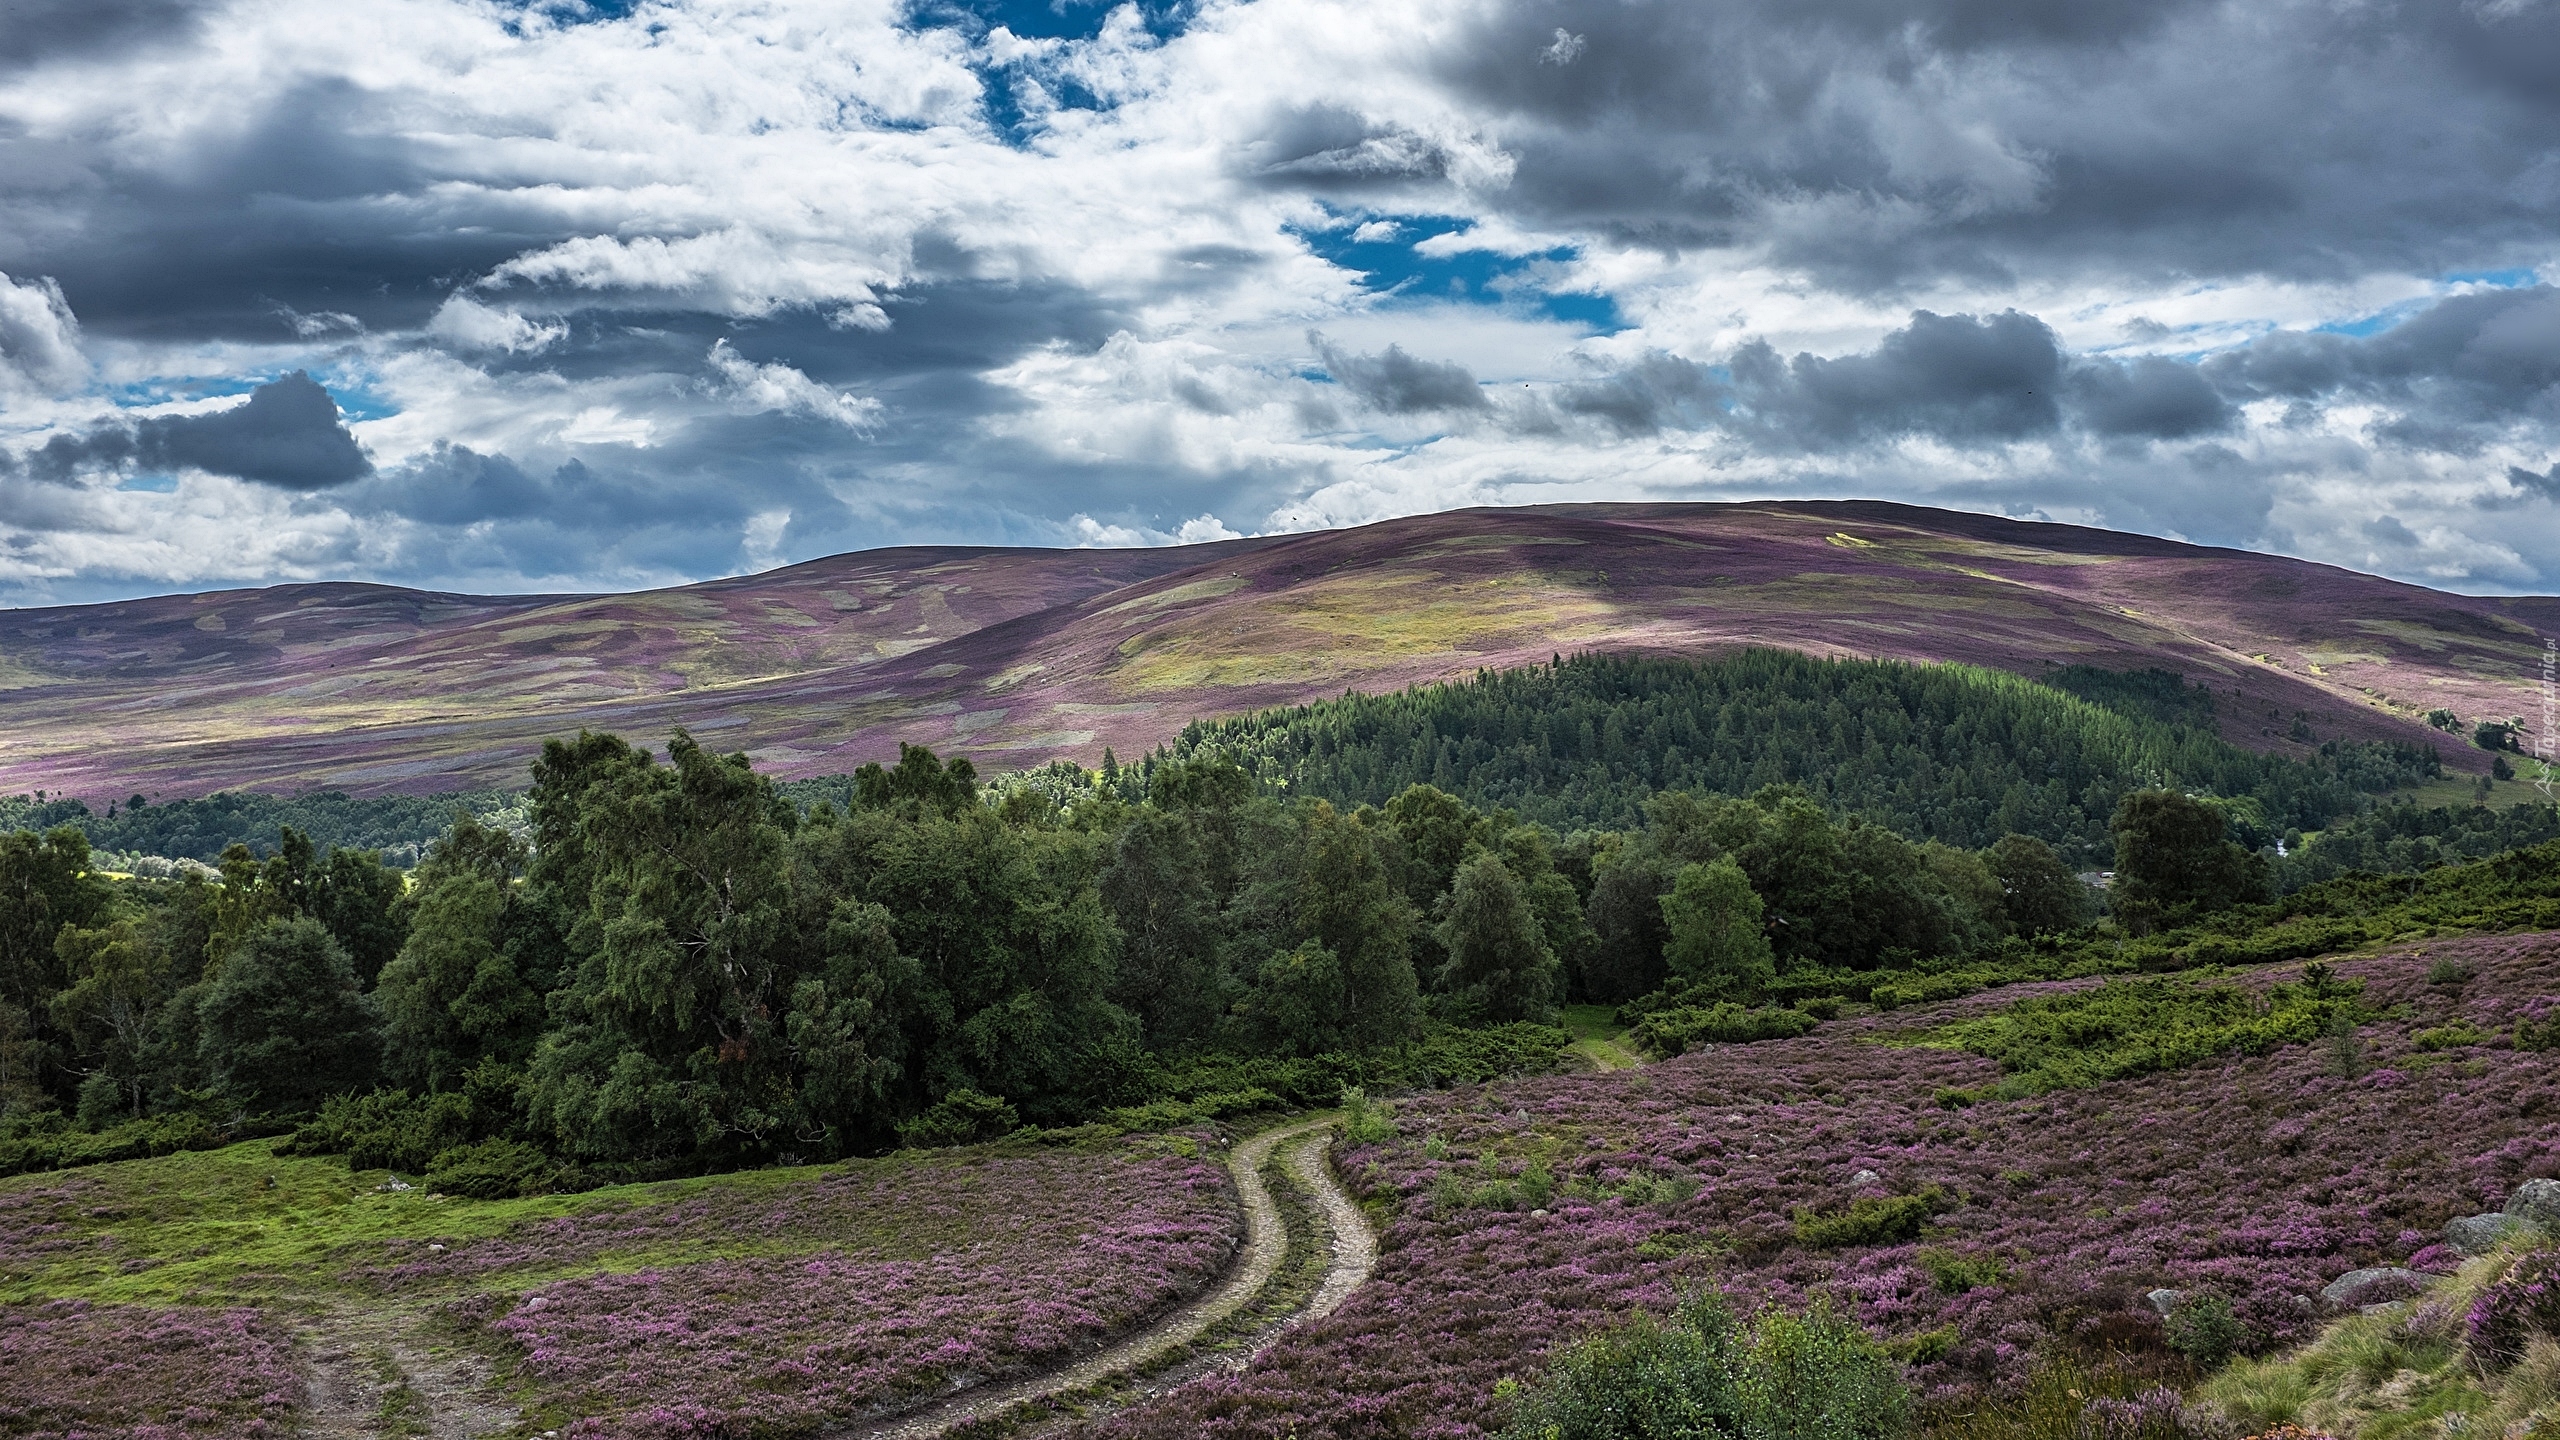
[(2257, 1178), (124, 1372), (991, 1267), (2522, 1302)]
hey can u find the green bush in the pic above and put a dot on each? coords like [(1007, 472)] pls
[(2203, 1329), (1781, 1377), (1364, 1121), (49, 1141), (492, 1170), (1872, 1220), (1956, 1274), (2450, 1037), (962, 1117), (2135, 1027), (1674, 1032)]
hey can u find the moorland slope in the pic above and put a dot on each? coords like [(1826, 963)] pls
[(1019, 656)]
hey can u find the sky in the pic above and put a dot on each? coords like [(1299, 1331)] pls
[(560, 296)]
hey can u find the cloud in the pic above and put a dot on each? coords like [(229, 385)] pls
[(287, 434), (623, 296), (781, 389), (467, 324), (1399, 384), (39, 338)]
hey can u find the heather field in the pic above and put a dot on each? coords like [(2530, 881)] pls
[(173, 1293), (1967, 1231)]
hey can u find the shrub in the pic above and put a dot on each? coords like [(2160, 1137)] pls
[(492, 1170), (2449, 1037), (2522, 1302), (1955, 1274), (1364, 1121), (48, 1142), (960, 1118), (2203, 1329), (1873, 1220), (2134, 1027), (2452, 974), (1782, 1377), (1676, 1031)]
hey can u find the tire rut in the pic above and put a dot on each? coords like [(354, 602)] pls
[(372, 1379), (1354, 1254)]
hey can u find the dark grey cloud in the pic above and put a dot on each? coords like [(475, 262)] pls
[(2535, 484), (1400, 384), (1957, 377), (288, 434), (2461, 370), (2150, 398), (1962, 139), (35, 32)]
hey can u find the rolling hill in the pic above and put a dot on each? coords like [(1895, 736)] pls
[(1017, 656)]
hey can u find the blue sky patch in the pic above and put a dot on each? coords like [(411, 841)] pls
[(1390, 265), (152, 484)]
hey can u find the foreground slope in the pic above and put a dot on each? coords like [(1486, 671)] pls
[(1017, 657)]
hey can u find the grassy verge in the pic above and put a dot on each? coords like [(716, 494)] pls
[(1599, 1038), (2402, 1371)]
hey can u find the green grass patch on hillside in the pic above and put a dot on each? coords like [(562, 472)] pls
[(2136, 1027)]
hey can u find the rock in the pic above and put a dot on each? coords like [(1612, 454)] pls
[(2537, 1202), (435, 1249), (2165, 1300), (2477, 1234), (1537, 1214), (537, 1303), (1864, 1177), (2358, 1288)]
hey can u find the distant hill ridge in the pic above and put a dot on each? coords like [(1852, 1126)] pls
[(1016, 656)]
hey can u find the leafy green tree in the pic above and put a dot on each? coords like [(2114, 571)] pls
[(1437, 830), (1716, 945), (843, 1026), (2173, 864), (2039, 893), (1346, 904), (281, 1024), (921, 782), (458, 993), (1157, 889), (44, 885), (1011, 943), (1295, 1005), (359, 899), (1500, 966), (118, 981), (677, 1005), (1628, 882)]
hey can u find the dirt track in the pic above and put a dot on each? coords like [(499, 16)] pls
[(1266, 1246)]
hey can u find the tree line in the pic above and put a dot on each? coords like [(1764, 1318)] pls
[(678, 969), (1936, 752)]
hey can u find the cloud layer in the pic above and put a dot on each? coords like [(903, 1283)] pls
[(542, 296)]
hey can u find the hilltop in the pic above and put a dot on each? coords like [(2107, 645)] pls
[(1018, 656)]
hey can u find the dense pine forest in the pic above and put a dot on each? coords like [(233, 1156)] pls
[(649, 966), (1941, 752)]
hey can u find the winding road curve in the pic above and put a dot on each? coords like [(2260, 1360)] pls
[(1355, 1252)]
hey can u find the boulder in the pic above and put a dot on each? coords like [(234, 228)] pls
[(1864, 1177), (2537, 1202), (2165, 1300), (2477, 1234), (2359, 1288)]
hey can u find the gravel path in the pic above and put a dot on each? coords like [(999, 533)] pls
[(1266, 1244)]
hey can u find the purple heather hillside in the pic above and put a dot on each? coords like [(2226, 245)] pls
[(2258, 1178)]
